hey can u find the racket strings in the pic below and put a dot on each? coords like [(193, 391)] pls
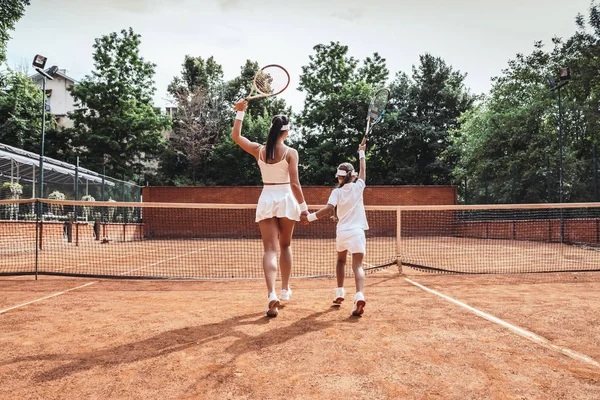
[(272, 80), (264, 83)]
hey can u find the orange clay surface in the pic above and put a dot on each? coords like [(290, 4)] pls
[(211, 340)]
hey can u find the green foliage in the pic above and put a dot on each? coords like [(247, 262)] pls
[(508, 148), (11, 11), (229, 165), (197, 73), (11, 190), (200, 149), (333, 120), (115, 115), (56, 195), (407, 147), (21, 112)]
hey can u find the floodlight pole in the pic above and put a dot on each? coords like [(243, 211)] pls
[(560, 159), (560, 140), (44, 77)]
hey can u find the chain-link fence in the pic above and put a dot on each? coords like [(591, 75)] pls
[(20, 179)]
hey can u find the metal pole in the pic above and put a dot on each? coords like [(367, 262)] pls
[(548, 178), (560, 149), (43, 137), (103, 175), (596, 194), (76, 186), (560, 186), (37, 234), (77, 179)]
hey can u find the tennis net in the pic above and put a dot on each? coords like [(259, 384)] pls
[(214, 241)]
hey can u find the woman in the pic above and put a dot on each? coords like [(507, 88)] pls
[(347, 200), (281, 201)]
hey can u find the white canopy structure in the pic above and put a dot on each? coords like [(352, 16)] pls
[(17, 165)]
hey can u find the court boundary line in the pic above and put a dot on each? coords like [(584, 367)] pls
[(46, 297), (540, 340)]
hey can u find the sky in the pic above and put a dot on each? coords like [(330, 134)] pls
[(477, 37)]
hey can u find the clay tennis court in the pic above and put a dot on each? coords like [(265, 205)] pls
[(193, 339), (493, 334)]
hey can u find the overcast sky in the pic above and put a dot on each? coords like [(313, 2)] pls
[(475, 36)]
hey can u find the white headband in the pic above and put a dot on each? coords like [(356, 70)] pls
[(341, 172), (283, 128)]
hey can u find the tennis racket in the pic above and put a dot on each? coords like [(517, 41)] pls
[(269, 81), (377, 110)]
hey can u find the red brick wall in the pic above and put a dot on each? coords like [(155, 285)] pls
[(202, 223), (315, 195), (546, 230)]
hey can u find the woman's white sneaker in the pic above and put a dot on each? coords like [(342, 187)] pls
[(359, 304), (340, 293), (285, 294), (272, 305)]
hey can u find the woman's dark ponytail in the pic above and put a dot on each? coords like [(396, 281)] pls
[(274, 134)]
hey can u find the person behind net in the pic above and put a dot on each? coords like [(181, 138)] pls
[(347, 199), (281, 201)]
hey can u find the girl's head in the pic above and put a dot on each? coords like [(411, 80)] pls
[(280, 126), (345, 173)]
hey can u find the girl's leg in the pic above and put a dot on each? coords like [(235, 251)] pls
[(340, 267), (359, 277), (359, 273), (340, 271), (286, 230), (269, 230)]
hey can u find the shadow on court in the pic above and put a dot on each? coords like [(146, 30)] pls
[(178, 340)]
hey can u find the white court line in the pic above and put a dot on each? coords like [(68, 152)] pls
[(91, 283), (102, 261), (519, 331), (168, 259), (46, 297)]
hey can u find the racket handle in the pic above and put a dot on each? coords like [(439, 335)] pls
[(364, 141)]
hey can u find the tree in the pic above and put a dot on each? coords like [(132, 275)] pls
[(11, 11), (228, 164), (200, 149), (21, 112), (333, 119), (197, 73), (408, 146), (198, 96), (115, 114), (196, 128), (504, 144), (424, 108), (507, 149)]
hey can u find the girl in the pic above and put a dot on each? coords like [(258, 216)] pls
[(351, 226), (281, 201)]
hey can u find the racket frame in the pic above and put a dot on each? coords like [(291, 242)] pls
[(261, 95), (378, 119)]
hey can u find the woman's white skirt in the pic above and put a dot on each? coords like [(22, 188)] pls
[(277, 201)]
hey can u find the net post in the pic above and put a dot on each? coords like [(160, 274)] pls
[(41, 242), (399, 239), (37, 206)]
